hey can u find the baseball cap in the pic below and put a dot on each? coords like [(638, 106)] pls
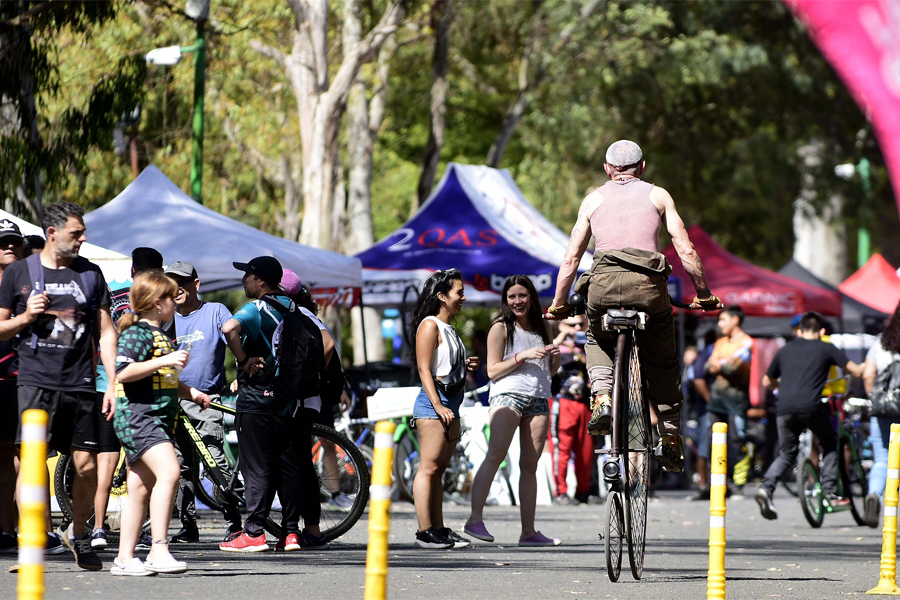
[(290, 283), (266, 268), (795, 321), (624, 153), (182, 268), (8, 228)]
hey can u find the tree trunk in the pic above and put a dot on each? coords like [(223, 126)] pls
[(441, 20)]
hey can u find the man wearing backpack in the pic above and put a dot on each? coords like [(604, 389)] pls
[(268, 395), (799, 371), (61, 304)]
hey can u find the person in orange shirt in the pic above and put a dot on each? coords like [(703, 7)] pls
[(729, 397)]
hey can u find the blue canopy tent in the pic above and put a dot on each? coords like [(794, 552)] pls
[(475, 220)]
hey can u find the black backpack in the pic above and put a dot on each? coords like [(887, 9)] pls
[(885, 394), (299, 354), (334, 381)]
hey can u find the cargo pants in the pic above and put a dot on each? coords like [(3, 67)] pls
[(634, 279)]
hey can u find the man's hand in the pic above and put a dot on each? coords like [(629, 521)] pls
[(36, 305), (558, 313), (200, 399), (254, 365), (709, 303), (109, 401)]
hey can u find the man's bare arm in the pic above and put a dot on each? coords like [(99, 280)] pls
[(683, 246), (578, 243)]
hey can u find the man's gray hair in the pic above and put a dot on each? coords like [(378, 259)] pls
[(624, 153)]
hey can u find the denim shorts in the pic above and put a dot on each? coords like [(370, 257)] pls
[(424, 410), (526, 406)]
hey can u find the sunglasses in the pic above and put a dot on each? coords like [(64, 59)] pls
[(15, 242)]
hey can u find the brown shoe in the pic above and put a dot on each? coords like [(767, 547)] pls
[(601, 415)]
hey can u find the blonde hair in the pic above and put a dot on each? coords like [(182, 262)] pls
[(148, 288)]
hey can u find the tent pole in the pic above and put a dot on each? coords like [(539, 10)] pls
[(362, 321)]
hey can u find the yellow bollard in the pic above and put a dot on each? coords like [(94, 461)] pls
[(32, 505), (715, 581), (380, 512), (887, 583)]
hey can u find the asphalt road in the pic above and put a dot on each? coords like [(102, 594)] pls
[(764, 559)]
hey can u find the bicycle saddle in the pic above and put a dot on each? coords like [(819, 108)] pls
[(620, 318)]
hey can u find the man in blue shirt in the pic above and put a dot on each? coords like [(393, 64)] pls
[(198, 327), (262, 435)]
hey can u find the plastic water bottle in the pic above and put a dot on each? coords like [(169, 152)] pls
[(170, 379)]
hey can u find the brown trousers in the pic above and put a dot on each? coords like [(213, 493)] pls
[(635, 279)]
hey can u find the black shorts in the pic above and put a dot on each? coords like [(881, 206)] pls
[(9, 409), (139, 427), (106, 432), (72, 417)]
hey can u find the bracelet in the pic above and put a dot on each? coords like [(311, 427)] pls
[(241, 363), (516, 358)]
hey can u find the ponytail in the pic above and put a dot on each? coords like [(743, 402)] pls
[(148, 288)]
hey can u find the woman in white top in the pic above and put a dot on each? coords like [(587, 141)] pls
[(520, 362), (441, 360), (878, 361)]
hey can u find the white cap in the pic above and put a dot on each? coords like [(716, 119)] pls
[(624, 153)]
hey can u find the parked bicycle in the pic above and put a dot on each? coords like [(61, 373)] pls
[(350, 477)]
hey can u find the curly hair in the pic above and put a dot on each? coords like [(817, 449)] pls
[(890, 339)]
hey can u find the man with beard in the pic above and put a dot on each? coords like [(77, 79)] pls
[(61, 304)]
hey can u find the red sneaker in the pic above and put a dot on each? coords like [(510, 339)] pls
[(291, 543), (245, 543)]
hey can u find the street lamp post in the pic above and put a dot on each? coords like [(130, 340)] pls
[(863, 239), (198, 10)]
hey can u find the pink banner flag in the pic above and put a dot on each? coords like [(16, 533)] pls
[(861, 39)]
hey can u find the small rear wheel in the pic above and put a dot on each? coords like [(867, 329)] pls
[(810, 493), (614, 535)]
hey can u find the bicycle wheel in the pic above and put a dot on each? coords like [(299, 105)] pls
[(810, 493), (350, 481), (637, 466), (853, 482), (406, 465), (613, 536), (63, 481), (213, 499), (790, 481)]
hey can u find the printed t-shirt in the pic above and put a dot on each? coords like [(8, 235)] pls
[(64, 357), (803, 365), (202, 329)]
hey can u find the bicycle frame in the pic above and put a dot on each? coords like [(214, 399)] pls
[(611, 472), (202, 451)]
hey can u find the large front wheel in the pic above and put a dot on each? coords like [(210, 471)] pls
[(637, 462), (810, 493)]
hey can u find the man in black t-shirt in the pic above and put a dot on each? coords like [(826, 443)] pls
[(799, 371), (61, 304)]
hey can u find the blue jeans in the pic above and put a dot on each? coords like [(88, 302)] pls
[(880, 437), (423, 409)]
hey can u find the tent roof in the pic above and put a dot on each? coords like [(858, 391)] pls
[(758, 291), (115, 266), (856, 316), (478, 221), (876, 284), (153, 211)]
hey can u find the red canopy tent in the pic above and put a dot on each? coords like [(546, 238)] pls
[(876, 284), (758, 291)]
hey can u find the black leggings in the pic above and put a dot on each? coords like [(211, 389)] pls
[(299, 491)]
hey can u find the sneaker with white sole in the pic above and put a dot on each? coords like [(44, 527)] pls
[(245, 543), (458, 540), (98, 539), (766, 506), (55, 545), (145, 542), (872, 510), (131, 568), (166, 565), (432, 540)]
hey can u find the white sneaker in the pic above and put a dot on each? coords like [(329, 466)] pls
[(766, 506), (166, 565), (132, 568)]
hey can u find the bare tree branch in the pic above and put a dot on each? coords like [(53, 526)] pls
[(266, 50)]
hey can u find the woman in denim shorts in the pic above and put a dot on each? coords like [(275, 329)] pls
[(441, 359), (521, 359)]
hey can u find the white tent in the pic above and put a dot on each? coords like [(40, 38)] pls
[(152, 211), (115, 266), (476, 220)]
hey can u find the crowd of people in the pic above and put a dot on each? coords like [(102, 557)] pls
[(113, 370)]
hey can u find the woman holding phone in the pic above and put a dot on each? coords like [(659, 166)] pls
[(441, 360), (521, 360)]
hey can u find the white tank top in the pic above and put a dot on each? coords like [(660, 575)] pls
[(529, 379), (441, 362)]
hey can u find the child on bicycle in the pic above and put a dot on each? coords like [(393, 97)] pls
[(147, 367), (799, 371)]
